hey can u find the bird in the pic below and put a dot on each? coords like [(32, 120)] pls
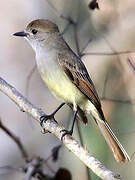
[(67, 78)]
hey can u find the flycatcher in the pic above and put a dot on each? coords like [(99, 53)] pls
[(66, 76)]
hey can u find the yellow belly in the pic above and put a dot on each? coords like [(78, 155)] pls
[(62, 87), (57, 81)]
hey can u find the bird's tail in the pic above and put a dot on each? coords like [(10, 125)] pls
[(118, 151)]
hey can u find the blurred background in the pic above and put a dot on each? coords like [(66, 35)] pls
[(110, 29)]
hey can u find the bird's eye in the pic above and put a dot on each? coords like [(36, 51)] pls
[(34, 31)]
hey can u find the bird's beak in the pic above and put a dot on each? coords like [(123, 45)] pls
[(22, 34)]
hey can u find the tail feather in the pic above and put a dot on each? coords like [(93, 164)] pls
[(118, 151)]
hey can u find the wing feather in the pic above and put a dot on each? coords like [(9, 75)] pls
[(77, 73)]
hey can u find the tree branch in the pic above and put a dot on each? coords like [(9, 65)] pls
[(106, 53), (16, 139), (55, 129)]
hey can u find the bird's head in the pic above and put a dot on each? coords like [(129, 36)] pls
[(38, 32)]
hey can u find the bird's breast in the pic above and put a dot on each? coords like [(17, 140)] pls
[(57, 81)]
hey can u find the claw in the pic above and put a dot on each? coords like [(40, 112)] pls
[(66, 132), (44, 118)]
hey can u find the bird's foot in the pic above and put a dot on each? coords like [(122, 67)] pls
[(66, 132), (44, 118)]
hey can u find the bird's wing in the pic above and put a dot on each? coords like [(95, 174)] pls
[(77, 73)]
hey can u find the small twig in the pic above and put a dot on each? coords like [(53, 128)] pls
[(74, 24), (84, 48), (53, 156), (76, 39), (33, 167), (131, 64), (117, 100), (56, 130), (81, 140), (49, 167), (16, 139), (8, 169), (71, 22), (107, 53), (29, 78), (29, 173), (104, 98), (66, 28), (54, 8), (104, 87)]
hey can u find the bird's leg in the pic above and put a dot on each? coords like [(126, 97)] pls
[(72, 128), (46, 117)]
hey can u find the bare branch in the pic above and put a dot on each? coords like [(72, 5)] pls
[(82, 144), (33, 167), (92, 5), (54, 8), (84, 48), (104, 98), (66, 28), (29, 79), (107, 53), (118, 100), (16, 139), (132, 65), (56, 130), (76, 38), (9, 169)]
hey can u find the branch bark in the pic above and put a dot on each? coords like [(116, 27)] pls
[(55, 129)]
